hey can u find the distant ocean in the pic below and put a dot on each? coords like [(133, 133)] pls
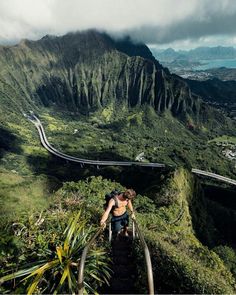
[(216, 63)]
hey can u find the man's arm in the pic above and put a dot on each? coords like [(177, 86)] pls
[(130, 206), (108, 210)]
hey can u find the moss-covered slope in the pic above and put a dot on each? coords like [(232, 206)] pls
[(182, 264)]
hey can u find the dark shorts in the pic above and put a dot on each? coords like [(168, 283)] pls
[(119, 222)]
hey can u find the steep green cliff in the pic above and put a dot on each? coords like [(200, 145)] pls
[(89, 70), (171, 214), (182, 262)]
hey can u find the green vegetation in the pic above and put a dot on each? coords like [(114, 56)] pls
[(224, 139), (20, 196), (228, 255), (102, 104), (113, 100), (35, 245), (61, 263), (182, 264), (163, 138), (29, 177)]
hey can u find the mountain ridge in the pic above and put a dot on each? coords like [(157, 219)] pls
[(88, 70), (196, 54)]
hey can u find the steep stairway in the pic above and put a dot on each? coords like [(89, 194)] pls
[(124, 266), (123, 277)]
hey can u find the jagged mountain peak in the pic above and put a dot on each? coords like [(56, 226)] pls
[(87, 70), (90, 42)]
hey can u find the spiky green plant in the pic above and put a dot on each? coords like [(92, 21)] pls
[(58, 271)]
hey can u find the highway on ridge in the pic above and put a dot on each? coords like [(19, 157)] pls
[(54, 151), (98, 163), (214, 175)]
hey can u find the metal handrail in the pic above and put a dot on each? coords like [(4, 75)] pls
[(147, 259), (82, 261), (146, 254)]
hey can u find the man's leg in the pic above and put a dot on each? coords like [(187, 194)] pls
[(125, 224), (116, 227)]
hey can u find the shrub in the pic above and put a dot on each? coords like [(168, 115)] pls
[(54, 267)]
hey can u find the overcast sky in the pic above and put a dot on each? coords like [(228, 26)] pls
[(176, 23)]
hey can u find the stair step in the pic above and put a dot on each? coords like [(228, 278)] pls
[(122, 253), (119, 242), (122, 239), (123, 268), (123, 275), (122, 281), (123, 286), (121, 260), (122, 247), (124, 272)]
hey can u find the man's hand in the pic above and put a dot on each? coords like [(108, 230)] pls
[(132, 215), (103, 223)]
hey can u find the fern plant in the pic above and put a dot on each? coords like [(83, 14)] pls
[(57, 272)]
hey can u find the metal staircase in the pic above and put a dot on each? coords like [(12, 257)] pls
[(124, 270), (123, 277)]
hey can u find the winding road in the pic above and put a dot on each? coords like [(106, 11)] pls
[(54, 151), (98, 163)]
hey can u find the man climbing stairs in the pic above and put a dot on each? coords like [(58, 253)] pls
[(124, 269)]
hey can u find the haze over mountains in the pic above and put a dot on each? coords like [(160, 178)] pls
[(196, 54), (209, 71)]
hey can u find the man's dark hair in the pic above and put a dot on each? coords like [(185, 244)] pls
[(129, 194)]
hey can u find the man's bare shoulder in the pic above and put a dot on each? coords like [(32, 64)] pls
[(111, 202)]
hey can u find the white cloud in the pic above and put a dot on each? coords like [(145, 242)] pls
[(120, 14), (24, 19), (153, 21)]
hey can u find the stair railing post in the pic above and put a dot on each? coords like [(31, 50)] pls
[(133, 229), (147, 259), (110, 232), (81, 262)]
